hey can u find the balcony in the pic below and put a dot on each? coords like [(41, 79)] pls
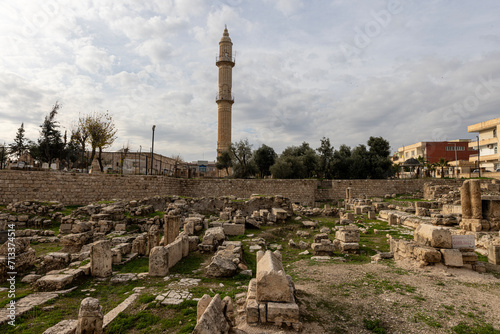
[(484, 157), (484, 142), (224, 97), (225, 59)]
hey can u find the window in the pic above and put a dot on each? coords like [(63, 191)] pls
[(412, 153), (455, 148), (407, 154), (494, 133)]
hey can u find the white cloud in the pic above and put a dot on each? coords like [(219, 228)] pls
[(154, 63)]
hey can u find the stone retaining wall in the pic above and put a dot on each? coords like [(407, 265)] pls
[(81, 189)]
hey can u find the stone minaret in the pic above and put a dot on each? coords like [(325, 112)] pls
[(225, 63)]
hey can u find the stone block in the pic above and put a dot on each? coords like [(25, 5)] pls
[(101, 259), (252, 311), (189, 227), (90, 317), (174, 250), (193, 243), (349, 246), (279, 313), (452, 257), (202, 305), (494, 254), (427, 254), (233, 229), (392, 219), (372, 215), (171, 227), (54, 282), (158, 261), (346, 235), (272, 283), (433, 236), (279, 213)]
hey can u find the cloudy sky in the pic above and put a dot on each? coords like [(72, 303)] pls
[(408, 71)]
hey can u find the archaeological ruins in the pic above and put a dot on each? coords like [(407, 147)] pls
[(227, 246)]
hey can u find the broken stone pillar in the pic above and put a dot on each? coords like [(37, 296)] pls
[(90, 317), (154, 237), (213, 319), (202, 305), (372, 215), (189, 227), (272, 283), (465, 200), (158, 261), (393, 219), (348, 193), (101, 259), (172, 225), (140, 245), (475, 199)]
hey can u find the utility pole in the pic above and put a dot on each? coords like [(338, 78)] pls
[(478, 157), (152, 148)]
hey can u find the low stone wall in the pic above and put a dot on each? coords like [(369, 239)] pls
[(81, 189)]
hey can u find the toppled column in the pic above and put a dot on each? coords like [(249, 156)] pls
[(101, 259), (90, 317)]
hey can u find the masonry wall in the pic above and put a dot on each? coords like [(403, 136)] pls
[(82, 189)]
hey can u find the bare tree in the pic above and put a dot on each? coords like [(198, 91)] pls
[(101, 133)]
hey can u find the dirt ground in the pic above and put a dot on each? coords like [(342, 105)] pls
[(342, 298)]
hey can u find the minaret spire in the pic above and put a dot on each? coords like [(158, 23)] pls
[(225, 63)]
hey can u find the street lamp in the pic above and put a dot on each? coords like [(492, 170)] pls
[(152, 148)]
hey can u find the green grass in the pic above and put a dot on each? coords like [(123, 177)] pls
[(45, 248), (126, 322), (374, 325), (481, 258), (187, 265), (138, 265), (476, 328), (427, 319)]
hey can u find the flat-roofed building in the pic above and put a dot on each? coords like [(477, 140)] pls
[(488, 157)]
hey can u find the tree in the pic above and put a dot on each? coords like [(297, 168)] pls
[(101, 133), (360, 163), (264, 157), (296, 162), (241, 154), (379, 158), (3, 155), (224, 161), (177, 161), (341, 163), (325, 158), (20, 144), (50, 144), (442, 163)]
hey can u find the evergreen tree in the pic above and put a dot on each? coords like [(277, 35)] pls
[(20, 145), (325, 158), (50, 144)]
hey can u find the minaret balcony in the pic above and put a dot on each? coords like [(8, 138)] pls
[(221, 59), (224, 97)]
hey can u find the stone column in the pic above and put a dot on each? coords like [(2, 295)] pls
[(171, 225), (154, 237), (101, 259), (348, 193), (90, 317), (158, 261), (465, 200), (475, 199)]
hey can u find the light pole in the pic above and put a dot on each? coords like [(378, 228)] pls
[(152, 148), (478, 157)]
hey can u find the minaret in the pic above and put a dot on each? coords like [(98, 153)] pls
[(225, 63)]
